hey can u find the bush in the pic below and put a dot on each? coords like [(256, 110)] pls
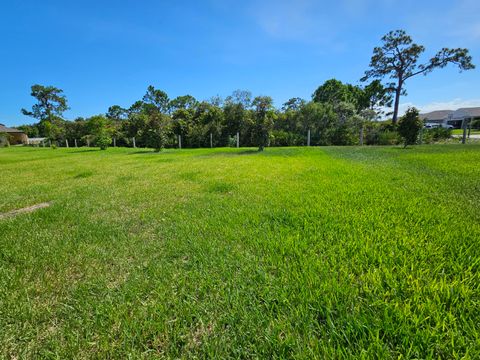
[(410, 126), (381, 134), (389, 137), (434, 135), (232, 141), (285, 138), (103, 141)]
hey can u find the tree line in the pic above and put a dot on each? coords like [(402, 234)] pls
[(337, 114)]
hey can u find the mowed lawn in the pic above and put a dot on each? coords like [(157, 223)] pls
[(324, 252)]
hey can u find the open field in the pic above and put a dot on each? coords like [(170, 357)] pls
[(294, 252)]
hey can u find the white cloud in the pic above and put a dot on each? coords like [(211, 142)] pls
[(445, 105)]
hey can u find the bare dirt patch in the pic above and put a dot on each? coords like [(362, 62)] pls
[(24, 210)]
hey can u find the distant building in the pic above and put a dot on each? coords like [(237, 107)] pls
[(12, 135), (464, 114), (439, 117), (454, 118)]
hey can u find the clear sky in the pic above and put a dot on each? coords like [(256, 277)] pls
[(106, 52)]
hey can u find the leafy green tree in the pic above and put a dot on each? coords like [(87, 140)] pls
[(344, 131), (320, 119), (398, 59), (116, 113), (156, 131), (31, 131), (211, 118), (236, 111), (375, 97), (156, 99), (48, 110), (264, 116), (410, 126), (103, 140), (184, 102), (75, 129), (334, 91), (293, 104), (101, 130)]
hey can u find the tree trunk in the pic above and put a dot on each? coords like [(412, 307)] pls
[(398, 92)]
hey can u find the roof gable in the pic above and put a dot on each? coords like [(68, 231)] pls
[(4, 129), (466, 113), (436, 115)]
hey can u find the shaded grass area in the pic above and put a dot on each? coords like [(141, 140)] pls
[(296, 252)]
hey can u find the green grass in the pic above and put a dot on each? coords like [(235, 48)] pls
[(460, 132), (328, 252)]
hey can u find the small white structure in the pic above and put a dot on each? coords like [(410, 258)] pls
[(36, 141)]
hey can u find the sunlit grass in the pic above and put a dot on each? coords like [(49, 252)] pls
[(294, 252)]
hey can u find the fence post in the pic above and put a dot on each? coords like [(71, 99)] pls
[(50, 142), (464, 126), (88, 142), (134, 144), (114, 142), (211, 140), (76, 143), (238, 139), (361, 135), (308, 137), (66, 143), (179, 141)]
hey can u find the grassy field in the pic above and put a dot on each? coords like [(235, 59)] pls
[(460, 132), (291, 253)]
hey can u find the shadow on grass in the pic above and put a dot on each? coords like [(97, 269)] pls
[(231, 153), (149, 152), (83, 151)]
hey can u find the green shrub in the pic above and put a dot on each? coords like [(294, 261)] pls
[(232, 141), (285, 138), (430, 136), (410, 126), (103, 141), (389, 137)]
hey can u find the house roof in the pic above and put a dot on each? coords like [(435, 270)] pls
[(4, 129), (466, 113), (436, 115)]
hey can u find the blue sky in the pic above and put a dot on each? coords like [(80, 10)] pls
[(107, 52)]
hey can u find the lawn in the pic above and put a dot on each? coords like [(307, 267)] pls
[(460, 132), (332, 252)]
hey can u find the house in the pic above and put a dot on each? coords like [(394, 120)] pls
[(458, 117), (439, 117), (12, 136)]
